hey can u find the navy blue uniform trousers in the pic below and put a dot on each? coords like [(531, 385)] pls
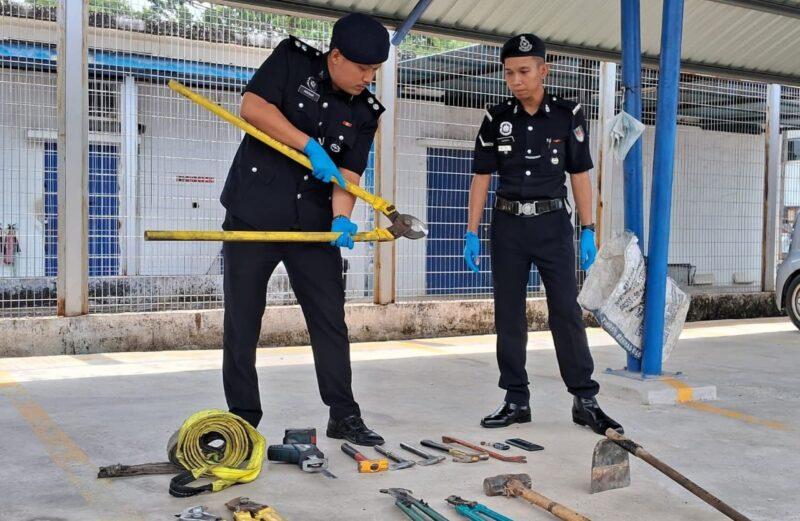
[(315, 273), (547, 241)]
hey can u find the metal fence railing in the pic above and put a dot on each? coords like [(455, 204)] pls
[(169, 158), (444, 88), (28, 125), (157, 161), (718, 186)]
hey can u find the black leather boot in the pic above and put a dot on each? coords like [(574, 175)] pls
[(585, 411), (507, 414), (353, 430)]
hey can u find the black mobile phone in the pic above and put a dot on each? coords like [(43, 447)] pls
[(524, 444)]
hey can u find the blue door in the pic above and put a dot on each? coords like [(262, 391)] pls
[(103, 210), (449, 177), (50, 210)]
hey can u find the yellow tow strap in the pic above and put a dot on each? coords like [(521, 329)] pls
[(218, 445)]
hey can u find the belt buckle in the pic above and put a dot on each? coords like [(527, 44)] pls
[(528, 209)]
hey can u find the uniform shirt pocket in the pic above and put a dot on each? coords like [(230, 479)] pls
[(504, 148), (553, 154), (303, 113), (339, 139)]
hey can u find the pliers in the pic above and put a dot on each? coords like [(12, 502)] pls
[(474, 510), (403, 225), (245, 510)]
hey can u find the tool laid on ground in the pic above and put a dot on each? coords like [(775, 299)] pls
[(428, 459), (307, 435), (400, 462), (459, 456), (402, 225), (519, 485), (474, 510), (495, 455), (212, 443), (413, 508), (198, 513), (501, 446), (524, 444), (365, 465), (245, 510), (119, 470), (611, 468), (305, 455), (637, 450)]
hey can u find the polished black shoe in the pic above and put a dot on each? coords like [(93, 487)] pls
[(507, 414), (585, 411), (353, 430)]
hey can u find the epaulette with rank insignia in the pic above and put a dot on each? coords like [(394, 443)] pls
[(496, 110), (372, 101), (572, 106), (299, 45)]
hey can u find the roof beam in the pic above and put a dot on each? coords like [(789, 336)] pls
[(303, 8), (766, 6)]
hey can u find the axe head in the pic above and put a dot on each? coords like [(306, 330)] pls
[(610, 467)]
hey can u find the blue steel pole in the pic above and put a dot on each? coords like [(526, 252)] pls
[(660, 200), (632, 95), (409, 22)]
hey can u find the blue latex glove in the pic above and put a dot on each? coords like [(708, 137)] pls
[(324, 168), (588, 249), (347, 228), (472, 251)]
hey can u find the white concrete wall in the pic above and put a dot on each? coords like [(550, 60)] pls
[(717, 201), (27, 110)]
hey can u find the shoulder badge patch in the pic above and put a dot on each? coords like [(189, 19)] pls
[(579, 134)]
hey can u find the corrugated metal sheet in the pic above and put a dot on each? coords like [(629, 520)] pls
[(718, 36)]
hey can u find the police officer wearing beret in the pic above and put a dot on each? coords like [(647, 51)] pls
[(318, 103), (531, 140)]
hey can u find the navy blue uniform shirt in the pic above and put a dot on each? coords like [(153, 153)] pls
[(532, 153), (267, 190)]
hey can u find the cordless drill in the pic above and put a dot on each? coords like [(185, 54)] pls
[(299, 448)]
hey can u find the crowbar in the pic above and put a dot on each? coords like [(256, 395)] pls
[(403, 225), (495, 455)]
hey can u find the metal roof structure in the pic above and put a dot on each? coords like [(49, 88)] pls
[(748, 39)]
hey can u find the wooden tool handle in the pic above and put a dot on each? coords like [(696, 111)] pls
[(560, 511), (637, 450)]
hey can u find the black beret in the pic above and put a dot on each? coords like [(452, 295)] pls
[(523, 45), (361, 39)]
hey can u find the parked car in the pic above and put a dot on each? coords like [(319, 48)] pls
[(787, 283)]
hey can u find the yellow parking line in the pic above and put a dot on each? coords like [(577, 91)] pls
[(685, 393), (736, 415), (685, 398), (60, 448)]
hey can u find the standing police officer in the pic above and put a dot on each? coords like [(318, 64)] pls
[(320, 104), (531, 139)]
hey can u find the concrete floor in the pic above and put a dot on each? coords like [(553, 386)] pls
[(62, 417)]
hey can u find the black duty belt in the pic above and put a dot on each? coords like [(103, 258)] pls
[(528, 208)]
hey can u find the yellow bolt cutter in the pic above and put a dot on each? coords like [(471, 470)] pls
[(403, 225)]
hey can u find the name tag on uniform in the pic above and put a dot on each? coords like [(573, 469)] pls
[(308, 93), (504, 144)]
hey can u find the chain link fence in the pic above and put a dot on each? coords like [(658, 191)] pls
[(28, 128), (157, 161), (442, 97)]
